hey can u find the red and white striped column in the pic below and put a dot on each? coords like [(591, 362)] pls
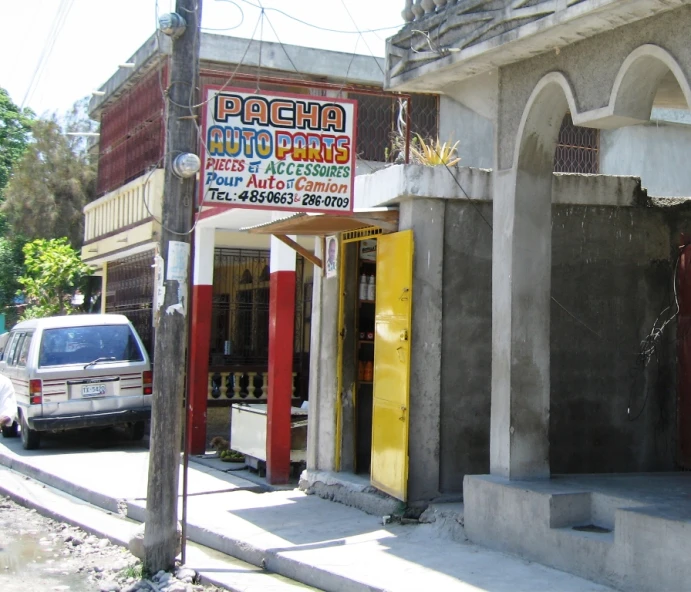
[(200, 337), (281, 345)]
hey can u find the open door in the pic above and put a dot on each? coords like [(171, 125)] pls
[(394, 283)]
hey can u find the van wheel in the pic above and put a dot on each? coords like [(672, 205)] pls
[(137, 430), (10, 431), (31, 439)]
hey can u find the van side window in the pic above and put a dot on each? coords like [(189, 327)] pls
[(24, 351), (12, 351)]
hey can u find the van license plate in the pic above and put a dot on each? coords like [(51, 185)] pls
[(93, 390)]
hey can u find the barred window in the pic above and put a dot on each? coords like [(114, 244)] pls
[(578, 149), (129, 291), (240, 309)]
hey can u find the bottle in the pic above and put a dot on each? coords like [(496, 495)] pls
[(363, 287), (369, 371), (361, 370), (371, 288)]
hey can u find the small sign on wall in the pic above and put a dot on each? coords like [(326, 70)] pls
[(331, 257), (368, 250)]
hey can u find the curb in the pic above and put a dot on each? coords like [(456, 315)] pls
[(28, 493), (270, 560)]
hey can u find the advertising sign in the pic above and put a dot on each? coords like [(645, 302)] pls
[(277, 151)]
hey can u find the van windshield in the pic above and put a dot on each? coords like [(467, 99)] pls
[(81, 345)]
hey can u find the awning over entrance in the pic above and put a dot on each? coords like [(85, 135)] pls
[(322, 225)]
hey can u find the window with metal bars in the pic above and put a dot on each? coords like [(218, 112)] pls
[(578, 149), (377, 122), (240, 309), (129, 291)]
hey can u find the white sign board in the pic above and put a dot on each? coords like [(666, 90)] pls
[(277, 151)]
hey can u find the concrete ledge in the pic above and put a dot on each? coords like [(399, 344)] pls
[(349, 490), (398, 183)]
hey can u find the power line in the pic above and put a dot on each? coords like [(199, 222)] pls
[(363, 39), (320, 28), (56, 27)]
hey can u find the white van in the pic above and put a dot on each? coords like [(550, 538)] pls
[(77, 371)]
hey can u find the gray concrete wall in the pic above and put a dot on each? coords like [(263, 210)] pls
[(466, 345), (426, 218), (474, 133), (657, 153), (611, 270)]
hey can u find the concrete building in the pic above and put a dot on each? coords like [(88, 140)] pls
[(561, 391), (232, 282)]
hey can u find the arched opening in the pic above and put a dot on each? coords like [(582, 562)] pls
[(521, 289)]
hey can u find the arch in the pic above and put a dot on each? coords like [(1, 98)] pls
[(521, 287), (639, 78), (540, 123)]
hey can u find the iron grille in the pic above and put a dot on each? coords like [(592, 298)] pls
[(132, 133), (382, 117), (240, 309), (578, 149), (129, 291)]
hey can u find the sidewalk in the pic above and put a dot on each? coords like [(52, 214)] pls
[(319, 543)]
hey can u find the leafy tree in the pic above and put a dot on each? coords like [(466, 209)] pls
[(50, 185), (15, 124), (11, 267), (53, 272)]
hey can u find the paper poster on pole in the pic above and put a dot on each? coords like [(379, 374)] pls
[(277, 151), (331, 257)]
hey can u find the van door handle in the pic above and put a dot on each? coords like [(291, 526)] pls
[(404, 335)]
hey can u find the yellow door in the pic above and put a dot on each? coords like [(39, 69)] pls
[(389, 469)]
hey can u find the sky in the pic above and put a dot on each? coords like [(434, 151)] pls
[(97, 35)]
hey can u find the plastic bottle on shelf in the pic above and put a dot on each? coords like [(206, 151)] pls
[(363, 287), (369, 371), (361, 370), (371, 288)]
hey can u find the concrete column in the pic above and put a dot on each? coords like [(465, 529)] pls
[(104, 287), (200, 336), (281, 353), (521, 275), (426, 218), (323, 396)]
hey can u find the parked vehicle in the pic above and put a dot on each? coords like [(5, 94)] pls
[(77, 371)]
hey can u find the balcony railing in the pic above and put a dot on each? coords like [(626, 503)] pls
[(416, 9), (125, 207), (243, 386)]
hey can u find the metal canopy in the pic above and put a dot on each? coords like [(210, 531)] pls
[(321, 225), (325, 224)]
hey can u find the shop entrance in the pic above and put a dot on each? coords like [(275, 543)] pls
[(374, 357)]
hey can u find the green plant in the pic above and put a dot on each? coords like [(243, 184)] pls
[(433, 152), (53, 271), (134, 570)]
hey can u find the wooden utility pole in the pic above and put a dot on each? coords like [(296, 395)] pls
[(160, 535)]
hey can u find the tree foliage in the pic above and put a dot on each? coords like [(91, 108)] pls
[(15, 124), (49, 186), (53, 272)]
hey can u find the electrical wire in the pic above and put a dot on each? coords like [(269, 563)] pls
[(318, 27), (242, 19), (376, 61), (56, 28)]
